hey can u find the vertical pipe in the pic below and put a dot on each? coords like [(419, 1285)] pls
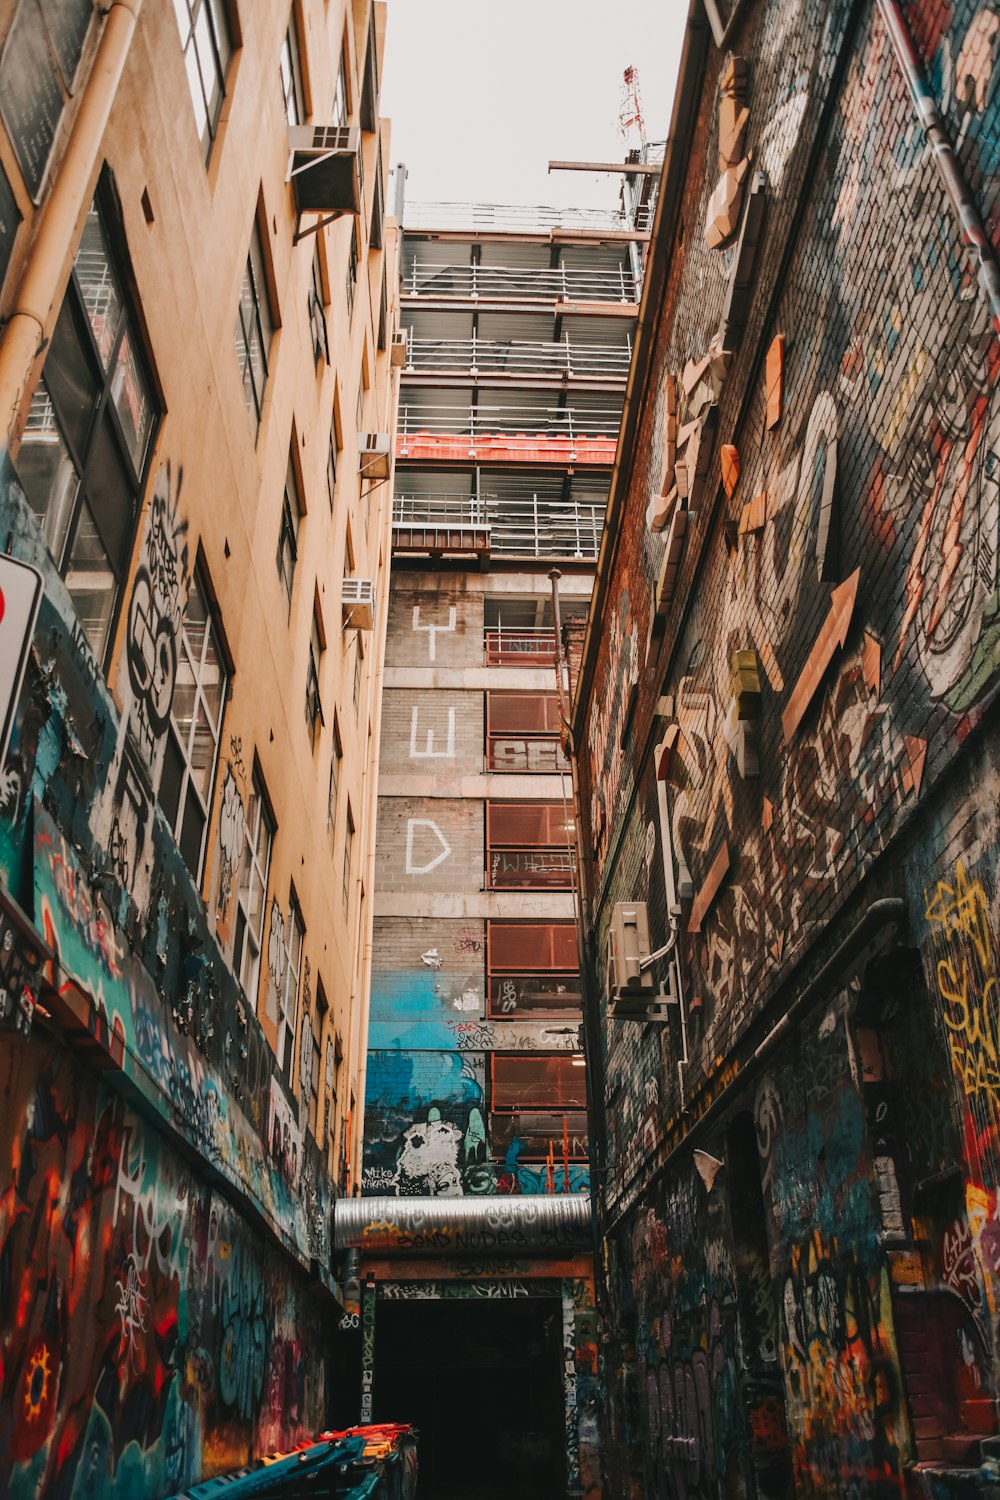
[(962, 199)]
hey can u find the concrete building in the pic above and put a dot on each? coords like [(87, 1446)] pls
[(518, 326), (199, 299), (786, 728)]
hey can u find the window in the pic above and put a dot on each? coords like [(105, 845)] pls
[(89, 433), (288, 999), (254, 328), (253, 889), (348, 857), (357, 673), (535, 1082), (527, 846), (207, 48), (291, 76), (316, 1088), (331, 470), (336, 755), (317, 312), (288, 534), (352, 270), (533, 970), (192, 745), (369, 86), (314, 708), (522, 733), (341, 101)]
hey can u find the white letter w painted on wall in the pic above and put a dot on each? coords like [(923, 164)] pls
[(412, 824), (430, 753), (432, 630)]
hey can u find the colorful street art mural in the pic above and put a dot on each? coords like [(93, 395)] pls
[(803, 1254)]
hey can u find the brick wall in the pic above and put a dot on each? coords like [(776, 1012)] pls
[(429, 844), (438, 625), (429, 734)]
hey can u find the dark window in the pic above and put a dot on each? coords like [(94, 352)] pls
[(85, 451), (357, 675), (254, 328), (207, 48), (352, 270), (348, 857), (331, 470), (192, 748), (549, 1083), (526, 845), (533, 970), (288, 1000), (336, 755), (314, 708), (288, 535), (252, 894), (341, 99), (375, 234), (317, 312), (291, 76), (368, 113), (522, 732)]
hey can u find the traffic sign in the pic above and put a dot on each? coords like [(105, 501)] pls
[(20, 596)]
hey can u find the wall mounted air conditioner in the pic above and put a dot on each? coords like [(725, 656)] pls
[(397, 356), (373, 455), (358, 603), (324, 168), (631, 990)]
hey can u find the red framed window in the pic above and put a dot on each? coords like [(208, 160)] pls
[(522, 733), (532, 970), (528, 846)]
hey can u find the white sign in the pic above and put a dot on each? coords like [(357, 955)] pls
[(20, 596)]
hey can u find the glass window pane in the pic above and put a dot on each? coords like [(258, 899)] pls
[(130, 393), (98, 284), (71, 380), (91, 583), (46, 471), (220, 30), (202, 754), (109, 492), (197, 97), (192, 830), (171, 781)]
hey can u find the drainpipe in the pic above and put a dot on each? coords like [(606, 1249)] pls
[(594, 1073), (24, 334), (962, 200)]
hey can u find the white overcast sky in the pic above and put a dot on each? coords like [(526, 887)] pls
[(482, 93)]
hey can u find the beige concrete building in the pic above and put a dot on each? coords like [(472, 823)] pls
[(199, 296)]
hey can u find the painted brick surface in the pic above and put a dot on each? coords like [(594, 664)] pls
[(439, 625), (430, 844), (782, 1300), (432, 733)]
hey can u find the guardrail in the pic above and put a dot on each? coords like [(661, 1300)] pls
[(509, 419), (519, 218), (530, 646), (521, 526), (425, 278), (477, 356)]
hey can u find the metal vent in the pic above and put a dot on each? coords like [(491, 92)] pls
[(358, 603)]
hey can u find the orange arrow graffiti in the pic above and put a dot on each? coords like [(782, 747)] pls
[(831, 637)]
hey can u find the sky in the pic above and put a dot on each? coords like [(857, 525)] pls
[(482, 93)]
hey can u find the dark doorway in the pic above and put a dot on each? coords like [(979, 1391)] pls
[(482, 1381)]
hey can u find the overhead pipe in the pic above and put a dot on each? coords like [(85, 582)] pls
[(956, 185), (553, 1222), (23, 336)]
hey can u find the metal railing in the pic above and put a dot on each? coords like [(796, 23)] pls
[(518, 218), (541, 754), (518, 526), (530, 868), (425, 278), (477, 356), (509, 419), (526, 646)]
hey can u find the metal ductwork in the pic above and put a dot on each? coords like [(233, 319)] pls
[(552, 1223)]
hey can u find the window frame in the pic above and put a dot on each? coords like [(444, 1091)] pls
[(340, 111), (259, 814), (317, 303), (353, 267), (528, 851), (213, 632), (291, 989), (256, 285), (533, 968), (293, 92), (288, 530), (315, 719), (336, 758), (537, 739), (350, 833), (215, 11), (81, 449)]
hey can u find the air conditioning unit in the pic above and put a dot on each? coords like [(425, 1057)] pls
[(358, 603), (373, 455), (324, 168), (397, 355)]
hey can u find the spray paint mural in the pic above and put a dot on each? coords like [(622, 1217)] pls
[(147, 1335)]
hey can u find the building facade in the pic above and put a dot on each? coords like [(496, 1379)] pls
[(786, 733), (518, 326), (199, 297)]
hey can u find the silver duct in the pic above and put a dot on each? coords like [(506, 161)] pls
[(551, 1223)]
